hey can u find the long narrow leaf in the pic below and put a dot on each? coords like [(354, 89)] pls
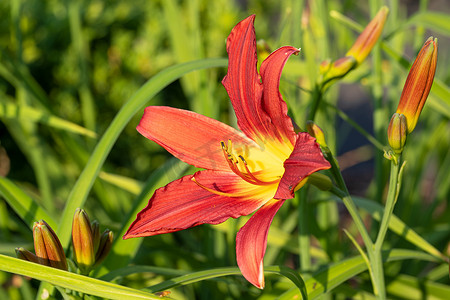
[(220, 272), (13, 111), (437, 21), (417, 288), (332, 276), (71, 281), (27, 208)]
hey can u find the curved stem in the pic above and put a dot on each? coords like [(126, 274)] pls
[(317, 95)]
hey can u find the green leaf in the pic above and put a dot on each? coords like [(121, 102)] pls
[(27, 208), (326, 279), (10, 110), (220, 272), (417, 288), (437, 21), (128, 270), (126, 183), (71, 281)]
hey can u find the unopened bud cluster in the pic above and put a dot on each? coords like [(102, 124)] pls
[(90, 247), (47, 247)]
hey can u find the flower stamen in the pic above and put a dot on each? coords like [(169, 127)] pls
[(252, 176), (248, 176)]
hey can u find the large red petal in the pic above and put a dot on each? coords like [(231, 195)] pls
[(306, 159), (191, 137), (272, 102), (183, 204), (242, 81), (251, 242)]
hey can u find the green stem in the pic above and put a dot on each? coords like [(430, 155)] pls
[(317, 95), (342, 192), (377, 260), (375, 266), (304, 241), (390, 203)]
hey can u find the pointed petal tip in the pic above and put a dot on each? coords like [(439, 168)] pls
[(251, 242)]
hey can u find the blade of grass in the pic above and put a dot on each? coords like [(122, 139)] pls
[(81, 48), (436, 21), (186, 43), (27, 209), (126, 183), (128, 270), (220, 272), (10, 110), (71, 281), (417, 288)]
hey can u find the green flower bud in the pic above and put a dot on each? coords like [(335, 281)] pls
[(95, 227), (321, 181), (105, 245), (317, 132), (340, 68), (397, 132)]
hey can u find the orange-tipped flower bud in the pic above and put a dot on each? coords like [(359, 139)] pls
[(105, 245), (24, 254), (317, 132), (418, 84), (48, 247), (368, 38), (397, 132), (82, 240), (339, 68)]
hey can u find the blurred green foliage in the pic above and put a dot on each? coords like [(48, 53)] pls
[(80, 61)]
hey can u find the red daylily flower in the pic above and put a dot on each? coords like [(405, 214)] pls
[(253, 170)]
